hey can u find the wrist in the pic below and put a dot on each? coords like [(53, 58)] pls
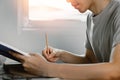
[(60, 53), (54, 70), (49, 69), (46, 69)]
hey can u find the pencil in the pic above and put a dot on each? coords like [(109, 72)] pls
[(46, 38)]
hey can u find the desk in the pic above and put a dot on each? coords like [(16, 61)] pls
[(5, 76)]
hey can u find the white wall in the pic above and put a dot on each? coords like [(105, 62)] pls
[(33, 41)]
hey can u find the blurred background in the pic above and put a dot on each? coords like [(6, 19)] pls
[(68, 35)]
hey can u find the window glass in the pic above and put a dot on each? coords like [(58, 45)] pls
[(51, 10)]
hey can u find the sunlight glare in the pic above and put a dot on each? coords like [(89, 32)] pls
[(51, 9)]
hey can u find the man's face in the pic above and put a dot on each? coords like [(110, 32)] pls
[(81, 5)]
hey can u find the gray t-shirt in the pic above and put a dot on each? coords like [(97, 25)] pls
[(103, 31)]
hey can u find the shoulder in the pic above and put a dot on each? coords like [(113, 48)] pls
[(115, 1), (116, 4), (115, 12)]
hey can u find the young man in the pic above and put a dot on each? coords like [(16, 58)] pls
[(102, 59)]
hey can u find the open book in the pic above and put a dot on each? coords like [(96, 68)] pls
[(5, 48)]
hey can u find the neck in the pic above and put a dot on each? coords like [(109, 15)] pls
[(98, 6)]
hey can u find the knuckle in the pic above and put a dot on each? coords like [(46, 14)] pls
[(25, 65)]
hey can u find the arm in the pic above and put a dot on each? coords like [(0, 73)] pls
[(37, 65), (99, 71), (68, 57), (72, 58)]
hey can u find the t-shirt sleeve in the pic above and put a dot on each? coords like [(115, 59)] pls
[(87, 43), (116, 37)]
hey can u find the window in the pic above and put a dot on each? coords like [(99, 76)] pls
[(34, 14), (51, 10)]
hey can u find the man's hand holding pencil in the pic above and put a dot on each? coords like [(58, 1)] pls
[(51, 54)]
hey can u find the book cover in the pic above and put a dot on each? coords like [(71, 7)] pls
[(5, 48)]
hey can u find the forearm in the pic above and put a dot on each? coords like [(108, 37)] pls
[(81, 72), (69, 57)]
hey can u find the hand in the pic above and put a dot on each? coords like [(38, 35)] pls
[(34, 64), (53, 55)]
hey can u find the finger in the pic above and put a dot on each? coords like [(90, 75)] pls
[(53, 59), (18, 56), (50, 50), (52, 55), (44, 51), (45, 54), (47, 50)]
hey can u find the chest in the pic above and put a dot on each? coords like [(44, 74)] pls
[(101, 35)]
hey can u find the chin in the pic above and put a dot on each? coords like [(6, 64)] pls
[(82, 11)]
